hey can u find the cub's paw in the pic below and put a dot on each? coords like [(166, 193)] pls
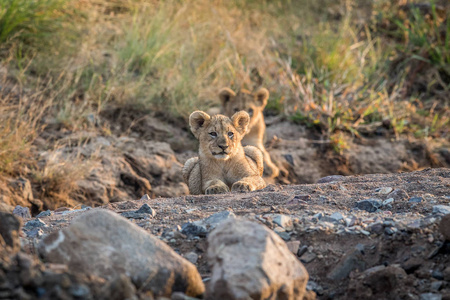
[(217, 189), (242, 186)]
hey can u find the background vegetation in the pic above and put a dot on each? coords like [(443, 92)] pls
[(342, 67)]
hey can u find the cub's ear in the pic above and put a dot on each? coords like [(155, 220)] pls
[(261, 96), (197, 121), (240, 120), (225, 95)]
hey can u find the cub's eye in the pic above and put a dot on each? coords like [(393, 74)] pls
[(230, 135), (250, 112), (213, 134)]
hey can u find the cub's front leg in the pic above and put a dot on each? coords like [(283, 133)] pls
[(248, 184), (216, 186)]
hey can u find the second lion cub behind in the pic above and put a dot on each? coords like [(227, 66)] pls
[(223, 163)]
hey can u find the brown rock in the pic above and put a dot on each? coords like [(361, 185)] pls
[(444, 227), (104, 244), (249, 261), (9, 231)]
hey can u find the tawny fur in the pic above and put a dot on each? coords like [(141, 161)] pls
[(254, 104), (223, 163)]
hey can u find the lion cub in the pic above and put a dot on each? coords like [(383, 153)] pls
[(254, 104), (223, 163)]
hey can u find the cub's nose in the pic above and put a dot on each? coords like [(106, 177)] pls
[(223, 147)]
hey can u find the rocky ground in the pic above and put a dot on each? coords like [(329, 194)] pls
[(383, 236)]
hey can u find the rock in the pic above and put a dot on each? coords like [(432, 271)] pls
[(377, 228), (293, 246), (398, 195), (23, 212), (441, 209), (352, 260), (446, 273), (145, 209), (334, 217), (284, 221), (144, 212), (415, 200), (430, 296), (331, 178), (249, 261), (284, 235), (9, 232), (23, 187), (101, 243), (192, 257), (388, 201), (145, 197), (384, 190), (46, 213), (36, 223), (202, 227), (369, 205), (444, 227), (315, 287), (308, 257), (35, 233)]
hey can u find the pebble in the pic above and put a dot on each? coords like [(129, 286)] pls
[(284, 235), (441, 209), (334, 217), (384, 190), (318, 216), (36, 223), (388, 201), (369, 205), (145, 197), (308, 257), (146, 209), (283, 221), (430, 296), (390, 230), (415, 200), (302, 250), (192, 257), (35, 233), (193, 229), (398, 194), (315, 287), (46, 213), (436, 285), (293, 246)]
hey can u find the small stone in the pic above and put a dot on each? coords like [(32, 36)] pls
[(318, 216), (335, 217), (377, 228), (315, 287), (279, 229), (388, 201), (145, 209), (384, 190), (284, 235), (430, 296), (436, 285), (145, 197), (79, 291), (441, 209), (302, 250), (193, 229), (437, 274), (415, 200), (390, 230), (36, 223), (293, 246), (9, 232), (192, 257), (352, 260), (283, 221), (46, 213), (444, 227), (23, 212), (398, 195), (308, 257), (369, 205), (35, 233), (331, 178)]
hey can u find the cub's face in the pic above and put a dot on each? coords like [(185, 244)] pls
[(253, 104), (220, 137)]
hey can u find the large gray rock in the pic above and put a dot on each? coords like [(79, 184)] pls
[(104, 244), (249, 261)]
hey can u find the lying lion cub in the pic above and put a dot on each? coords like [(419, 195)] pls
[(254, 104), (222, 163)]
